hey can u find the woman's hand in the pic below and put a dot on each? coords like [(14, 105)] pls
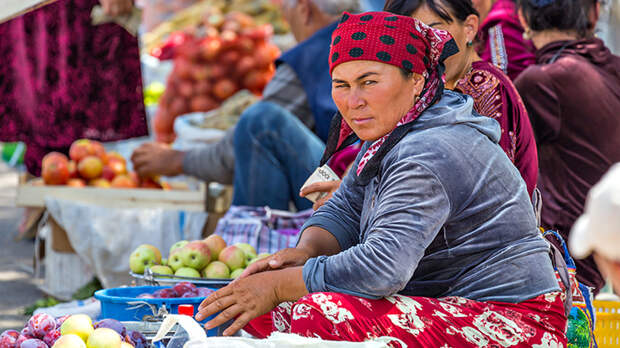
[(324, 186), (290, 257), (250, 297), (115, 8)]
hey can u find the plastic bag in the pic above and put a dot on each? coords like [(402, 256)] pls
[(198, 338)]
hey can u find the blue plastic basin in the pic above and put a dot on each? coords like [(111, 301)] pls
[(115, 304)]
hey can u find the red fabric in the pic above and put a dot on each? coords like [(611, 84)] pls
[(63, 79), (381, 37), (450, 322), (341, 160), (495, 96), (401, 41)]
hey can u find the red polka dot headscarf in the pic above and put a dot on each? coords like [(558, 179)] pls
[(401, 41)]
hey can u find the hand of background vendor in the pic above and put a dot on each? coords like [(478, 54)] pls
[(116, 7), (251, 297), (151, 159), (324, 186), (290, 257)]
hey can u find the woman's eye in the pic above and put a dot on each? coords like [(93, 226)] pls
[(341, 86), (369, 82)]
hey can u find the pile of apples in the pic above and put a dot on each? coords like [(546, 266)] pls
[(72, 331), (180, 290), (208, 258), (226, 54), (89, 164)]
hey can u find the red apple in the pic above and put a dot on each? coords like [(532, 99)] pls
[(90, 167), (76, 182), (55, 169)]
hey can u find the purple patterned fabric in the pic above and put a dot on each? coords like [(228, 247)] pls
[(267, 230), (62, 79)]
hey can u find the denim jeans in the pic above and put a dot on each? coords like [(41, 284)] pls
[(274, 155)]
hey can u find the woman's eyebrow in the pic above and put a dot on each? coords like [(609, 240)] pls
[(361, 77)]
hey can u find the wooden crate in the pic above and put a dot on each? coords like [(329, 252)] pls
[(31, 195)]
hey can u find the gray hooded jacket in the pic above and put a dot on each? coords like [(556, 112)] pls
[(447, 215)]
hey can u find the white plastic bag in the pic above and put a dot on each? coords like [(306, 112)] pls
[(198, 338), (103, 238)]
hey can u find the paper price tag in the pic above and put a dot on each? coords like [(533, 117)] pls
[(323, 173)]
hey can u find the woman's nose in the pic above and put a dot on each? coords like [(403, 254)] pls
[(355, 100)]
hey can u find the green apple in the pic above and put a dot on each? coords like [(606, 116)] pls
[(142, 258), (233, 257), (78, 324), (163, 270), (236, 273), (177, 245), (216, 244), (174, 261), (217, 270), (152, 248), (252, 261), (262, 255), (104, 338), (164, 262), (249, 251), (69, 341), (187, 272), (195, 254)]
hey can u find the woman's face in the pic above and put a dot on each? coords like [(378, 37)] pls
[(462, 32), (372, 97)]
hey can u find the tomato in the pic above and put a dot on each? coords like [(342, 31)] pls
[(202, 103), (260, 33), (200, 72), (178, 106), (244, 65), (224, 88), (202, 88), (210, 47), (230, 58), (182, 68)]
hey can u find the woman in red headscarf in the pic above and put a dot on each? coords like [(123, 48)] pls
[(430, 239)]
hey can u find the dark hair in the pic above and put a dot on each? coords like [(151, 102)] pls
[(564, 15), (460, 9), (407, 74)]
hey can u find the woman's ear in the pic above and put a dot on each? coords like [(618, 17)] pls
[(471, 24), (418, 84)]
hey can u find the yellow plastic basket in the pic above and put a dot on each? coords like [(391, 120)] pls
[(607, 328)]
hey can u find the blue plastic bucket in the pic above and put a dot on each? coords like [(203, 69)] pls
[(116, 303)]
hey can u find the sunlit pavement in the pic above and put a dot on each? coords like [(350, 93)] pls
[(17, 286)]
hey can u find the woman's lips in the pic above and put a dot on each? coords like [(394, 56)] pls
[(361, 120)]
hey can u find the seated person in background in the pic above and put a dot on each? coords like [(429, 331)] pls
[(501, 40), (572, 96), (298, 94), (597, 231), (431, 239), (494, 94)]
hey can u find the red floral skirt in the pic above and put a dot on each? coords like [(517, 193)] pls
[(420, 321)]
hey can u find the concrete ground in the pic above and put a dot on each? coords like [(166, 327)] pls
[(17, 285)]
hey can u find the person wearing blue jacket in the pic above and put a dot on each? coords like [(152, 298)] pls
[(430, 240)]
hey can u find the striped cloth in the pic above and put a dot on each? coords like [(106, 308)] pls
[(267, 230)]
